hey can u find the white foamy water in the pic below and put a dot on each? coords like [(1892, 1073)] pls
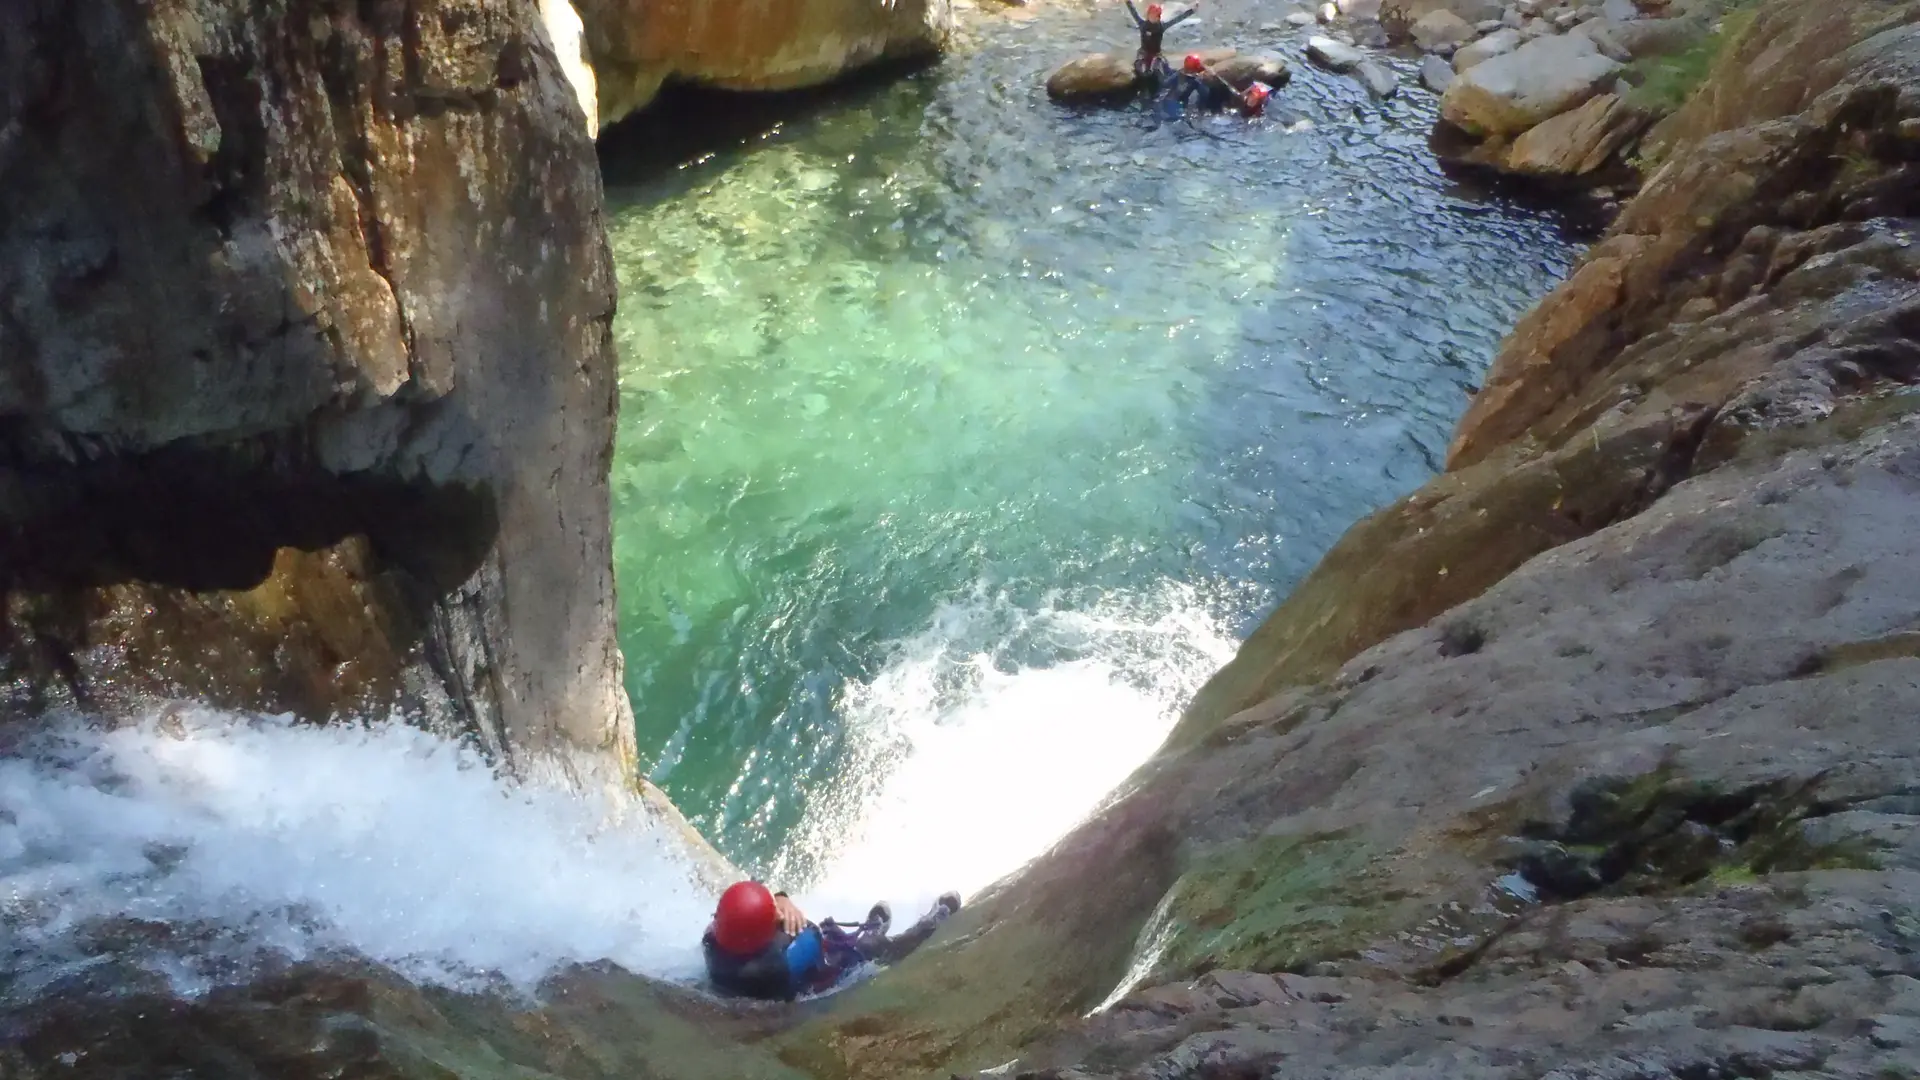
[(988, 737), (383, 839), (971, 762)]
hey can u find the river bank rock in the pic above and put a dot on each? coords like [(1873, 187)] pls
[(1507, 94), (1497, 43), (307, 376), (636, 46), (1578, 143), (1586, 758), (1443, 27)]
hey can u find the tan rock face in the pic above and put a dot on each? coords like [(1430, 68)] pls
[(306, 370), (1701, 205), (1575, 143), (636, 45)]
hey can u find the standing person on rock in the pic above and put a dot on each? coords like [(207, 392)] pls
[(760, 945), (1147, 63)]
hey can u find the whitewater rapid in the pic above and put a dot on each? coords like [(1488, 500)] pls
[(269, 837)]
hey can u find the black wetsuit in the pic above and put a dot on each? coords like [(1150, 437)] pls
[(770, 973), (762, 975), (1153, 32), (1212, 93)]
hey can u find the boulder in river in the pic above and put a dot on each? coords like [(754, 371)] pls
[(1498, 43), (1244, 69), (1379, 80), (1508, 94), (1333, 55), (1094, 77), (1436, 74), (1577, 143), (1442, 27)]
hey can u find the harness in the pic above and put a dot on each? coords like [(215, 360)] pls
[(843, 950)]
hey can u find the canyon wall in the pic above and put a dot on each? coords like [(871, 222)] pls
[(306, 381)]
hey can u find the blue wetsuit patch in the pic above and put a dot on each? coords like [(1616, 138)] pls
[(804, 956)]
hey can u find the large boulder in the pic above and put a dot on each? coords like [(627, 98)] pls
[(1437, 29), (306, 376), (1092, 77), (636, 45), (1107, 76), (1508, 94), (1498, 43), (1578, 143), (1243, 69)]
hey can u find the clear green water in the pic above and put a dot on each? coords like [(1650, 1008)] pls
[(946, 410)]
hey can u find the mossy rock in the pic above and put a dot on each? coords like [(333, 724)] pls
[(1275, 903)]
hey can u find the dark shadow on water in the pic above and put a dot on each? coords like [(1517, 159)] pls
[(689, 124)]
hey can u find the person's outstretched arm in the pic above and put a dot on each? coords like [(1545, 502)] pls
[(1180, 18), (1135, 12)]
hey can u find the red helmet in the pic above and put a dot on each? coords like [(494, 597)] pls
[(1258, 93), (1154, 12), (745, 921), (1193, 66)]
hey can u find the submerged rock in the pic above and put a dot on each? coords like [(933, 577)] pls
[(1333, 55), (636, 46), (1508, 94)]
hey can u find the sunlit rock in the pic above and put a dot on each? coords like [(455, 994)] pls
[(749, 44)]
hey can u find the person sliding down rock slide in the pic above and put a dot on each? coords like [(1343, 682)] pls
[(760, 945), (1147, 63)]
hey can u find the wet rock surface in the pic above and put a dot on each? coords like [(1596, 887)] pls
[(346, 1017), (306, 385)]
